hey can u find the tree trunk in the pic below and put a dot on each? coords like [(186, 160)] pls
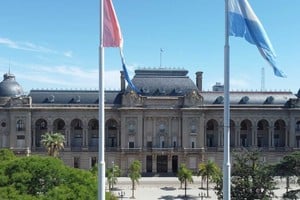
[(207, 194), (185, 188), (287, 183), (202, 180), (132, 191)]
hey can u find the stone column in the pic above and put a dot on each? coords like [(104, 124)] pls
[(237, 136), (169, 163), (201, 132), (154, 161), (271, 136), (292, 138), (286, 130)]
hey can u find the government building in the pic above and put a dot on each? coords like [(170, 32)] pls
[(171, 121)]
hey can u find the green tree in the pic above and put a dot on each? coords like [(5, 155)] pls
[(184, 176), (209, 171), (110, 196), (6, 155), (112, 175), (53, 142), (134, 174), (287, 167), (43, 178), (251, 178)]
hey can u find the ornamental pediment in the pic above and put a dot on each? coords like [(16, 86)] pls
[(131, 99), (193, 99)]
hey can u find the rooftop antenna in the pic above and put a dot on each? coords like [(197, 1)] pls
[(160, 57), (262, 79), (9, 67)]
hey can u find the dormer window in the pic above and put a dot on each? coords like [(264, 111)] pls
[(51, 99), (77, 99), (269, 100), (219, 100), (244, 100), (162, 91)]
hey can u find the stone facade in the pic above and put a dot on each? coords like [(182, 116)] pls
[(171, 121)]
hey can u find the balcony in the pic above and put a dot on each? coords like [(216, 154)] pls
[(131, 150), (162, 149), (193, 150)]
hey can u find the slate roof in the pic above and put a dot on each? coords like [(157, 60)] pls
[(249, 98), (73, 97), (163, 82)]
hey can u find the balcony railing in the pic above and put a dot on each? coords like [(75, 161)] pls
[(131, 150), (163, 149), (193, 150)]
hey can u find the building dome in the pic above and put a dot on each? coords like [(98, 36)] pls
[(9, 86)]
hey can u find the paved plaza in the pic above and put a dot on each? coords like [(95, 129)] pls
[(168, 188)]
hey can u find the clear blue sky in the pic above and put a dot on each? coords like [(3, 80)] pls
[(54, 44)]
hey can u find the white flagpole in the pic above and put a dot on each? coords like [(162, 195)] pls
[(226, 162), (101, 157)]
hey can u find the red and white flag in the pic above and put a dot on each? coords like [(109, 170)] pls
[(112, 36)]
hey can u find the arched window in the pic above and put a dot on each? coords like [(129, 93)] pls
[(20, 125)]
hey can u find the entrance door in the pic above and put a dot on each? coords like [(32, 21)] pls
[(149, 164), (162, 164), (174, 164)]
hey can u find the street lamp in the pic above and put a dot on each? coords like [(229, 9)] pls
[(201, 195), (121, 194), (113, 175)]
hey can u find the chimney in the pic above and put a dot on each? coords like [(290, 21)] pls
[(122, 77), (199, 80)]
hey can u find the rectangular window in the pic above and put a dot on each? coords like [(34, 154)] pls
[(298, 141), (20, 137), (76, 163), (93, 161), (149, 144), (131, 145), (20, 125)]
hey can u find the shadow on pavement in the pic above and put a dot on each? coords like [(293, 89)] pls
[(170, 197), (168, 188)]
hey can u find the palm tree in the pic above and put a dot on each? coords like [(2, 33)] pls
[(209, 171), (134, 174), (112, 175), (184, 176), (53, 142)]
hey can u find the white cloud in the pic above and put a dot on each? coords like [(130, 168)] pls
[(68, 54), (27, 46)]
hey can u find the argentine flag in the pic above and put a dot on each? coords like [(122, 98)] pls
[(112, 36), (244, 23)]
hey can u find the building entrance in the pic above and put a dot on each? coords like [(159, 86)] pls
[(162, 164), (174, 164), (149, 164)]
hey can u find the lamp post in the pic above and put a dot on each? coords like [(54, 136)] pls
[(113, 175), (121, 194), (201, 195)]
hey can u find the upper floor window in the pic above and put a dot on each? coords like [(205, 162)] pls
[(20, 125), (298, 126)]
